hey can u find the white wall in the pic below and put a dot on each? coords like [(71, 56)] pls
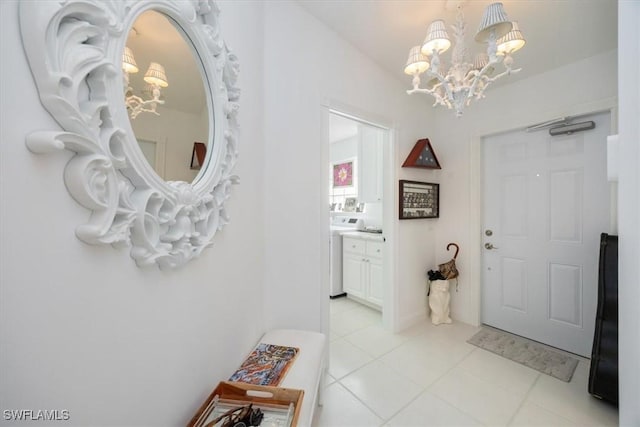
[(629, 211), (82, 328), (177, 130), (343, 149), (308, 66), (348, 149), (575, 88)]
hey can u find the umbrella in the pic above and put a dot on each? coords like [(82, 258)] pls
[(448, 269)]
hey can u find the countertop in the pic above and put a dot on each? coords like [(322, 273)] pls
[(377, 237)]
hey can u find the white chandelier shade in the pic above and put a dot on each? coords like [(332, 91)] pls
[(512, 41), (417, 62), (129, 65), (437, 38), (494, 21), (155, 77), (465, 79)]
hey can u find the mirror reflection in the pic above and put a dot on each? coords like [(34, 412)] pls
[(165, 97)]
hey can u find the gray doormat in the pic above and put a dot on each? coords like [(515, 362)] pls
[(526, 352)]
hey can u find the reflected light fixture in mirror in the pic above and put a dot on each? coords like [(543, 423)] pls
[(166, 142), (156, 79)]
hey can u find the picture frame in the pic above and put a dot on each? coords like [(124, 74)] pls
[(350, 204), (419, 200), (198, 155), (422, 156), (342, 173)]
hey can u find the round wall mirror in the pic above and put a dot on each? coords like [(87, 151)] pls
[(166, 97), (179, 84)]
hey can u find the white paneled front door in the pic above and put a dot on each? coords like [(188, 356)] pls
[(546, 201)]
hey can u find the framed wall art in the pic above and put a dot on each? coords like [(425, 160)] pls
[(350, 204), (343, 174), (419, 200), (422, 156)]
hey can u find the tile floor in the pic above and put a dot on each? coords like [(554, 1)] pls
[(429, 376)]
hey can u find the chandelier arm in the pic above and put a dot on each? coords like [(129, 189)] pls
[(136, 112), (488, 80), (480, 76), (137, 105), (470, 78), (507, 72), (440, 100), (443, 82)]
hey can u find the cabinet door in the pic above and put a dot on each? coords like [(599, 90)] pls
[(369, 164), (353, 275), (375, 290)]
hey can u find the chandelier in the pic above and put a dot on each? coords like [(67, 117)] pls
[(464, 81), (155, 77)]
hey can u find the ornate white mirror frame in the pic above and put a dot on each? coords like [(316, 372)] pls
[(75, 50)]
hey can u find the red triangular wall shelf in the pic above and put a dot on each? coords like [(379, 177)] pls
[(422, 156), (198, 155)]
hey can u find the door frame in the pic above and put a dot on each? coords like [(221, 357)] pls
[(476, 180), (390, 295)]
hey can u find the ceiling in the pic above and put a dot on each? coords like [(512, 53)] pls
[(557, 32)]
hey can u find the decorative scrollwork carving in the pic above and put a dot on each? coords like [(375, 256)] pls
[(74, 49)]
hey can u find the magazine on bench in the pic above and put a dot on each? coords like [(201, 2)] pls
[(266, 365)]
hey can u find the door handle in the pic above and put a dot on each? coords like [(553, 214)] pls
[(489, 246)]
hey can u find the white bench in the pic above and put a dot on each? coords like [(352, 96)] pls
[(307, 371)]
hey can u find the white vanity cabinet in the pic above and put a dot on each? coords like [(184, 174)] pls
[(362, 273)]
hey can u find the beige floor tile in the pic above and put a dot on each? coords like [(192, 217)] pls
[(429, 410), (532, 415), (381, 389), (342, 305), (414, 362), (329, 379), (484, 401), (571, 400), (500, 371), (434, 348), (375, 340), (341, 408), (389, 373), (456, 331), (345, 358), (353, 320)]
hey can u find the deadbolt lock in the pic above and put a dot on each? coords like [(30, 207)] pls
[(488, 233)]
